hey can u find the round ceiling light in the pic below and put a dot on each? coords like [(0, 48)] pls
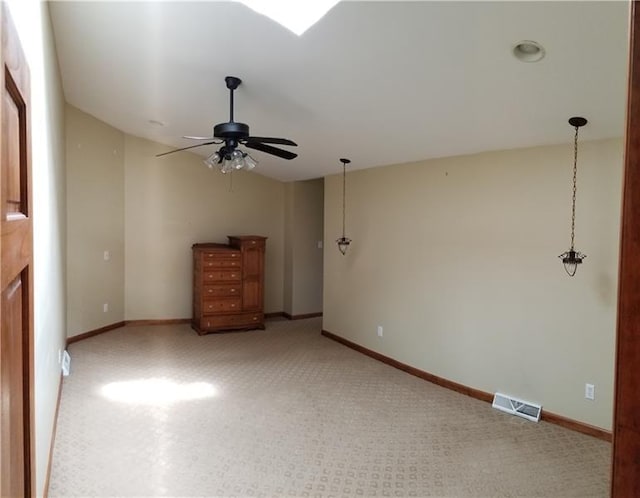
[(528, 51)]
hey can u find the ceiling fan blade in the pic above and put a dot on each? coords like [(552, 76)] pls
[(185, 148), (284, 154), (190, 137), (270, 140)]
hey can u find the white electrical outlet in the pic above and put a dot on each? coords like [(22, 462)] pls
[(589, 391), (105, 307), (106, 255), (319, 244), (380, 330), (66, 363)]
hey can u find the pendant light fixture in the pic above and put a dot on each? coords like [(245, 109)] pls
[(572, 258), (343, 242)]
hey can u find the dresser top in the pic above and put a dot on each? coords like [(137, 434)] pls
[(214, 245), (231, 246), (246, 237)]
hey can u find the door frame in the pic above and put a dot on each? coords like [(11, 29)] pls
[(625, 464)]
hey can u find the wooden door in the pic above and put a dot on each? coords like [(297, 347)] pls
[(16, 271)]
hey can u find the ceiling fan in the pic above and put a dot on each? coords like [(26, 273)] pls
[(232, 134)]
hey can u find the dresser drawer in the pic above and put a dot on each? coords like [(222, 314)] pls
[(221, 290), (240, 320), (229, 263), (221, 276), (211, 256), (222, 305)]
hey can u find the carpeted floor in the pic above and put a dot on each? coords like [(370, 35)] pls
[(160, 411)]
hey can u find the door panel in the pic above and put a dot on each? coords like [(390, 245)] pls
[(13, 461), (252, 278), (16, 261)]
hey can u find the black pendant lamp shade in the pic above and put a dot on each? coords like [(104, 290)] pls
[(343, 244), (344, 241), (572, 258)]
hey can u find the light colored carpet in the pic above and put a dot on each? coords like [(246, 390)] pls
[(151, 411)]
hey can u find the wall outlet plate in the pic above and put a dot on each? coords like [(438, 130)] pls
[(590, 391), (66, 363)]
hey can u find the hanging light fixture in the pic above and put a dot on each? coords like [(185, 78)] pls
[(343, 242), (572, 258), (229, 159)]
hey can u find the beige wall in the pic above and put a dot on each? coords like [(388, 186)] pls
[(304, 219), (173, 202), (288, 284), (457, 259), (306, 226), (95, 216), (147, 212), (48, 156)]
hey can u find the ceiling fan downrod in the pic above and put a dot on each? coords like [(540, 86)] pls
[(232, 84), (231, 130)]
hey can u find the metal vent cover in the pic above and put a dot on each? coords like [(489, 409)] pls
[(515, 406)]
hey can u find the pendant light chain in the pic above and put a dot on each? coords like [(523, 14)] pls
[(344, 196), (573, 199)]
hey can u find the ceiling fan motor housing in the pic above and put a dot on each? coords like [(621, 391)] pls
[(232, 130)]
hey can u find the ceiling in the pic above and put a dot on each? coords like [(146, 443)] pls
[(377, 82)]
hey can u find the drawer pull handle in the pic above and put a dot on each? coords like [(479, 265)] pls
[(255, 318), (233, 290), (233, 305)]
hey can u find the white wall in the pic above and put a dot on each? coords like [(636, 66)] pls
[(47, 127), (457, 259)]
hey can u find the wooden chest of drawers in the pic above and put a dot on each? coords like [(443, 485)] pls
[(228, 285)]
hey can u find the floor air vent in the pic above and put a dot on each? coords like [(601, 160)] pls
[(516, 406)]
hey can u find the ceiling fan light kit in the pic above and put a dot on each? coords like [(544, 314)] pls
[(228, 163), (572, 258), (232, 134)]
